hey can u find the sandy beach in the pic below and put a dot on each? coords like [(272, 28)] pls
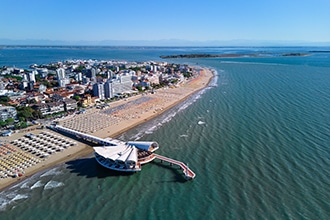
[(120, 117)]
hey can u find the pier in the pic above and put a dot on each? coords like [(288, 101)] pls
[(189, 174), (86, 137)]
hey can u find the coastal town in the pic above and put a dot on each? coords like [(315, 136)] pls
[(98, 98), (56, 89)]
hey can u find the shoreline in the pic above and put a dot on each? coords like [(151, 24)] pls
[(160, 102)]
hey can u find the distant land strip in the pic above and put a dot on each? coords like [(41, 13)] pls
[(319, 51), (227, 55)]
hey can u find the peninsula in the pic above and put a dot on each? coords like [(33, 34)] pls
[(26, 150)]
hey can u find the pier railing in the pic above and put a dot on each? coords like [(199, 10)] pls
[(189, 174)]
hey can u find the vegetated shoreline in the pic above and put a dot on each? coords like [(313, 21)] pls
[(227, 55), (178, 94), (319, 51)]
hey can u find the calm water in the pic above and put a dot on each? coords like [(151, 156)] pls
[(258, 142)]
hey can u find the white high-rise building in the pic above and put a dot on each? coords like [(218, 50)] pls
[(63, 82), (78, 76), (109, 74), (98, 90), (85, 80), (108, 89), (122, 84), (43, 72), (93, 74), (32, 76), (125, 79), (60, 72), (25, 77), (24, 83)]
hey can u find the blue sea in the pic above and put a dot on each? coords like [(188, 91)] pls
[(258, 140)]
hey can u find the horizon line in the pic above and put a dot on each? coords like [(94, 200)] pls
[(163, 43), (211, 46)]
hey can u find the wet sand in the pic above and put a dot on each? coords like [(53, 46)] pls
[(120, 117)]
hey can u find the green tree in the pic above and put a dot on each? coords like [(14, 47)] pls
[(25, 112), (80, 68), (37, 78), (46, 83), (18, 78), (10, 121), (4, 99), (21, 125), (139, 88), (101, 75), (76, 97), (32, 101), (54, 84), (136, 69), (2, 123), (17, 126), (37, 114), (187, 74)]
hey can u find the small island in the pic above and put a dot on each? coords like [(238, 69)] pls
[(231, 55), (207, 56)]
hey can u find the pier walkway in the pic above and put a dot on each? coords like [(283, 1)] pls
[(83, 136), (187, 172)]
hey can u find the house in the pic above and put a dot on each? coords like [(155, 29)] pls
[(70, 104), (7, 112)]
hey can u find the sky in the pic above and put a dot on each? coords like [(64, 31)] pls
[(156, 20)]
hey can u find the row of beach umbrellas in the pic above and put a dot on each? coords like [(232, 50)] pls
[(16, 162)]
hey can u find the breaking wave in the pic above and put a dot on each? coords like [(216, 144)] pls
[(53, 184), (158, 122), (52, 172), (37, 185), (20, 196), (8, 198)]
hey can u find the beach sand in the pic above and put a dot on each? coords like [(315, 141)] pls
[(120, 117)]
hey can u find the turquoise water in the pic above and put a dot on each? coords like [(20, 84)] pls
[(258, 143)]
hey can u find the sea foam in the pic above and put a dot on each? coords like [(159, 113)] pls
[(52, 172), (37, 185), (8, 198), (20, 196), (53, 184)]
